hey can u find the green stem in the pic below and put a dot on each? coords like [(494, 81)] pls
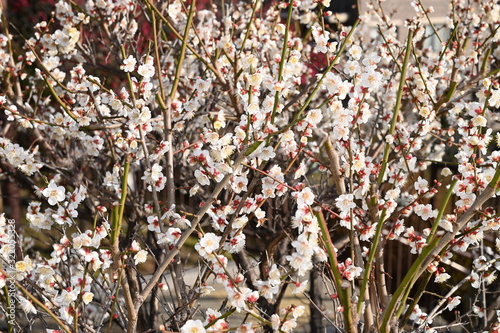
[(58, 99), (416, 298), (369, 263), (37, 302), (254, 9), (328, 69), (225, 315), (178, 36), (405, 286), (441, 211), (119, 210), (283, 59), (397, 107), (342, 290), (182, 54), (157, 54), (9, 305)]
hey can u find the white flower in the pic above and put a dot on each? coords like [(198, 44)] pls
[(314, 117), (266, 290), (193, 326), (267, 153), (201, 177), (153, 224), (26, 305), (421, 185), (355, 51), (352, 272), (301, 170), (371, 79), (478, 311), (345, 202), (202, 85), (154, 175), (129, 64), (305, 197), (425, 211), (446, 172), (87, 297), (275, 321), (300, 263), (66, 297), (300, 287), (289, 325), (479, 121), (135, 246), (239, 184), (208, 244), (147, 69), (442, 277), (453, 302), (140, 257), (255, 79), (54, 193)]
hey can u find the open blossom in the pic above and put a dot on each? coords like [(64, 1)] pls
[(202, 85), (442, 277), (421, 185), (26, 305), (147, 70), (255, 79), (154, 224), (300, 287), (345, 202), (371, 79), (349, 271), (266, 289), (140, 257), (453, 302), (129, 64), (305, 197), (426, 211), (368, 232), (289, 325), (154, 175), (300, 263), (193, 326), (239, 298), (54, 193), (245, 328), (87, 297), (314, 117), (208, 244)]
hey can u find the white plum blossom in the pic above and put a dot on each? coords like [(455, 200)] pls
[(26, 305), (140, 257), (54, 193), (453, 302), (421, 185), (208, 244), (193, 326), (425, 211), (305, 197), (147, 69), (228, 132), (300, 263), (345, 202), (129, 64)]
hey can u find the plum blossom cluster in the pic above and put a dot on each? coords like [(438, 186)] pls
[(266, 154)]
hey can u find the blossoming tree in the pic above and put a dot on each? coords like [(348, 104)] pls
[(151, 137)]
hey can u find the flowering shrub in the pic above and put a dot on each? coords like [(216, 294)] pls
[(147, 134)]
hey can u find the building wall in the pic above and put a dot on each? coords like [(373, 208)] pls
[(399, 10)]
